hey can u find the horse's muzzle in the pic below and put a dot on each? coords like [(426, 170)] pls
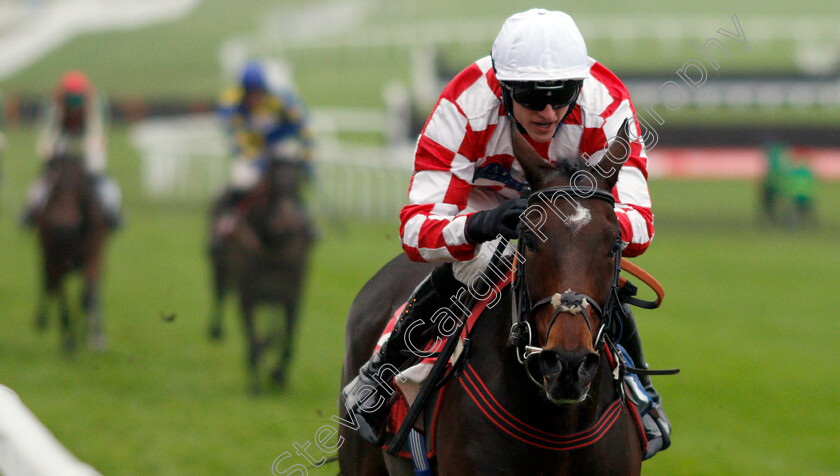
[(567, 375)]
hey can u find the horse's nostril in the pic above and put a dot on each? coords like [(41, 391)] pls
[(568, 366), (550, 363), (588, 366)]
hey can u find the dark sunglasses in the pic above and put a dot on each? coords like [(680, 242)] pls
[(536, 96)]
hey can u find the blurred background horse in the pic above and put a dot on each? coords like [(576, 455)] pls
[(260, 250), (72, 233)]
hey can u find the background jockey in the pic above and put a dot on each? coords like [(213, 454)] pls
[(75, 126), (265, 123), (466, 182)]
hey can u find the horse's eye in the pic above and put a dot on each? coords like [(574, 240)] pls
[(615, 248), (529, 241)]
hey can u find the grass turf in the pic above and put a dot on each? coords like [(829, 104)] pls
[(748, 317)]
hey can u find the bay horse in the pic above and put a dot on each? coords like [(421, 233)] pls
[(72, 232), (492, 419), (262, 255)]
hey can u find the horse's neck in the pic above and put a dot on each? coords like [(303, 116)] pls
[(267, 206), (271, 217), (507, 379), (68, 198), (68, 182), (283, 179)]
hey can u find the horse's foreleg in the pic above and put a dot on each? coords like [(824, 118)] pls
[(91, 305), (48, 279), (215, 329), (94, 321), (254, 347), (291, 297), (53, 291), (283, 338), (43, 311), (68, 336)]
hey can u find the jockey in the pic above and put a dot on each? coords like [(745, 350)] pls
[(466, 181), (74, 126), (265, 123)]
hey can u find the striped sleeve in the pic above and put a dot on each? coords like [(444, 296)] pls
[(633, 203), (432, 224)]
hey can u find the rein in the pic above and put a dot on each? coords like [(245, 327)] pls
[(646, 278)]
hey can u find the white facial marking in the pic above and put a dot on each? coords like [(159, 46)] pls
[(581, 217)]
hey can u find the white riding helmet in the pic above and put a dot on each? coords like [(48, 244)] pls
[(540, 45)]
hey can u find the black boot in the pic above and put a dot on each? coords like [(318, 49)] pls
[(367, 396), (656, 424)]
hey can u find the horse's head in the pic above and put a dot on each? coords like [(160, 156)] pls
[(571, 240), (284, 178), (278, 210)]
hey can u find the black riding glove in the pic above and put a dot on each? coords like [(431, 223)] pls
[(486, 225)]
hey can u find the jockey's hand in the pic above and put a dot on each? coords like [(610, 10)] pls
[(486, 225)]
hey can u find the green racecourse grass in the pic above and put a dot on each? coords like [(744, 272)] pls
[(749, 316)]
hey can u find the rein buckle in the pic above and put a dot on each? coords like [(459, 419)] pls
[(520, 334)]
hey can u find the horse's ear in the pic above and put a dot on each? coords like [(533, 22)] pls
[(534, 166), (617, 154)]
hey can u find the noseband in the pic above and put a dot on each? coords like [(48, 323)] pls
[(567, 302)]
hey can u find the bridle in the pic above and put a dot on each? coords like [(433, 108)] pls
[(521, 336)]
